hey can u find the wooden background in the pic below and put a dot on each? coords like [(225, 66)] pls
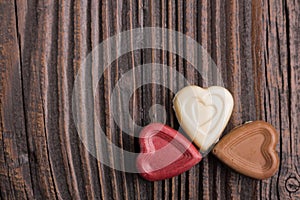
[(255, 44)]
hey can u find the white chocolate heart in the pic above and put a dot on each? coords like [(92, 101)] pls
[(203, 113)]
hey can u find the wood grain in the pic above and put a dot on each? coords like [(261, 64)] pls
[(42, 44)]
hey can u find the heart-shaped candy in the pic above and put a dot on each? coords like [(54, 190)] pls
[(250, 150), (203, 113), (165, 153)]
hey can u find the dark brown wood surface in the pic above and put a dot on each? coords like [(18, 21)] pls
[(42, 43)]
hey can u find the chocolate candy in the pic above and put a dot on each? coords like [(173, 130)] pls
[(250, 150), (203, 113), (165, 153)]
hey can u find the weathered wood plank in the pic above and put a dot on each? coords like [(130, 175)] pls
[(15, 175), (279, 24), (43, 43)]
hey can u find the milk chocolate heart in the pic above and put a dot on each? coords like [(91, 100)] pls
[(203, 113), (250, 150), (165, 153)]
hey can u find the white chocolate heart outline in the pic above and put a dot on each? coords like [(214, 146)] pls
[(217, 97), (195, 110)]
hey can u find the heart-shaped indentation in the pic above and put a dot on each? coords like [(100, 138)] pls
[(165, 153), (203, 113), (250, 150), (197, 106)]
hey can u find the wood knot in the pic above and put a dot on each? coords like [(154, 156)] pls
[(292, 184)]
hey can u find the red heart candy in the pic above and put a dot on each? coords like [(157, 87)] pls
[(165, 153)]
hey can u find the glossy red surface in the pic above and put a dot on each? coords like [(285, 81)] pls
[(165, 153)]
